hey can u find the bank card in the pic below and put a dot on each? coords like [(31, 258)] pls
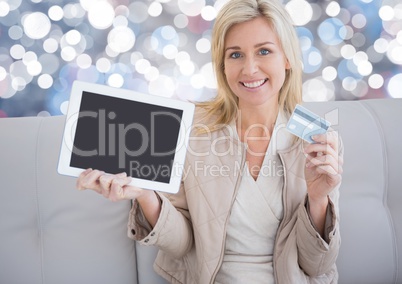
[(304, 124)]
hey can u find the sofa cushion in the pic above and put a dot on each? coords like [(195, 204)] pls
[(49, 231)]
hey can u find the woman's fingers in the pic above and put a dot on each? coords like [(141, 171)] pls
[(120, 189), (331, 138), (114, 187), (324, 155), (89, 179)]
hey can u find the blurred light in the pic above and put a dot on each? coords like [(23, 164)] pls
[(317, 11), (197, 81), (4, 9), (162, 37), (349, 83), (374, 56), (6, 91), (34, 68), (360, 57), (138, 12), (365, 68), (187, 67), (103, 65), (36, 25), (361, 89), (120, 21), (45, 81), (386, 13), (381, 45), (181, 57), (168, 32), (348, 51), (14, 4), (64, 107), (135, 56), (333, 9), (398, 11), (84, 61), (359, 21), (332, 31), (306, 38), (3, 73), (155, 9), (50, 63), (15, 32), (18, 83), (68, 53), (358, 40), (300, 11), (395, 86), (73, 11), (191, 7), (394, 52), (29, 56), (152, 74), (162, 86), (180, 21), (17, 51), (170, 51), (203, 45), (101, 15), (376, 81), (115, 80), (121, 39), (317, 90), (56, 13), (73, 37), (347, 46), (349, 32), (344, 15), (43, 114), (50, 45), (208, 13), (312, 60), (142, 66), (89, 74), (209, 76), (329, 73)]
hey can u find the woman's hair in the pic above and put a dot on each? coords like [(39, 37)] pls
[(225, 104)]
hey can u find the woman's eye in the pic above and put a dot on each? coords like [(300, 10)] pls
[(264, 52), (235, 55)]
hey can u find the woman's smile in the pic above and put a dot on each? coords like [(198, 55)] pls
[(254, 84)]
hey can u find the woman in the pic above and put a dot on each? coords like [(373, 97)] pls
[(255, 205)]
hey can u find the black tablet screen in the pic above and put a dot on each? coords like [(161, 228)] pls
[(118, 135)]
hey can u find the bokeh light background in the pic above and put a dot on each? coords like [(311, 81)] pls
[(352, 49)]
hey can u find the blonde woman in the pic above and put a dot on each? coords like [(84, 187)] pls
[(255, 205)]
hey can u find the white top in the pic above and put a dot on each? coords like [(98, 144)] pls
[(255, 217)]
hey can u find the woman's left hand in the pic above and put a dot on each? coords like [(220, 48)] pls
[(323, 165)]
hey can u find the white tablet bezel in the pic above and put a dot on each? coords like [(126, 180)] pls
[(77, 90)]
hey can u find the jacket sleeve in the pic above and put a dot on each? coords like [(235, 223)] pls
[(317, 255), (173, 231)]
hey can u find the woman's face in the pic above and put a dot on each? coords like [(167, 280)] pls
[(255, 65)]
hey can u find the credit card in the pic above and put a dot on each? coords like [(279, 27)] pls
[(304, 124)]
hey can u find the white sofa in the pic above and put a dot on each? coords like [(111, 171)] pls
[(51, 233)]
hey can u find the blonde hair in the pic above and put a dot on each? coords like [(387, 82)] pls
[(225, 104)]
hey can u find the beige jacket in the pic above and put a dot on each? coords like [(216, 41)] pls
[(191, 229)]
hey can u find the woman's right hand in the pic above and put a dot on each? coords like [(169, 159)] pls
[(117, 187), (114, 187)]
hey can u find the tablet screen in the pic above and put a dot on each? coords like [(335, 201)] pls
[(119, 135)]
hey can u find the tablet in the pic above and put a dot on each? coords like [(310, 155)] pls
[(117, 130)]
